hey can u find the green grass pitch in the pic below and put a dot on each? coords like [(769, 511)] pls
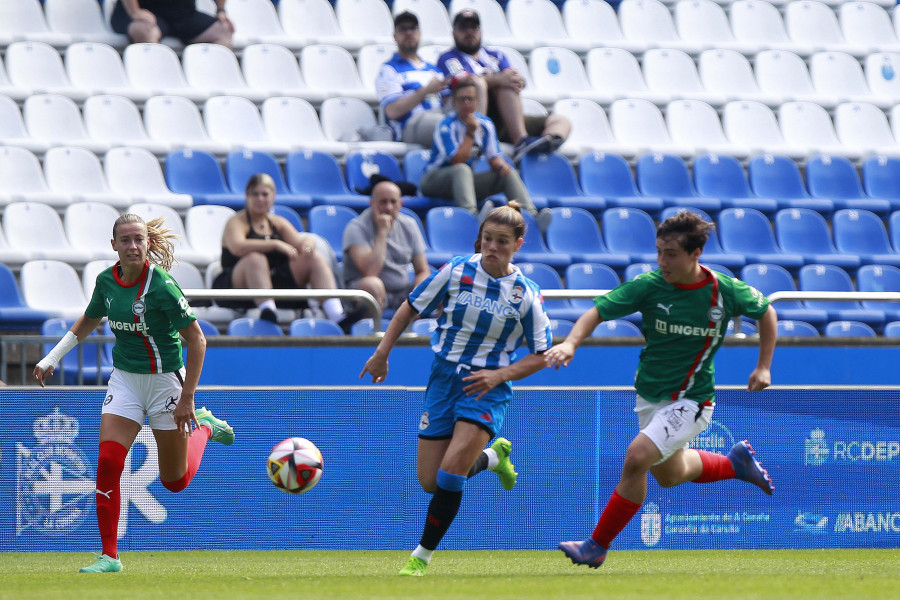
[(469, 575)]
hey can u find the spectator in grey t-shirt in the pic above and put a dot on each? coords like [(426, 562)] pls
[(380, 244)]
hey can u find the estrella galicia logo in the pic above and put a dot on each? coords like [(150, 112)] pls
[(651, 524), (108, 399), (715, 438), (816, 448), (810, 522), (138, 307), (171, 401)]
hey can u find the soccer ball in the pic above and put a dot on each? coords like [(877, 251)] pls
[(295, 465)]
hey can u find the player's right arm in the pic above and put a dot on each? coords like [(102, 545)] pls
[(561, 354), (377, 365), (80, 330)]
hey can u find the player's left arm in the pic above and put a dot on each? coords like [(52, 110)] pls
[(761, 377), (196, 352)]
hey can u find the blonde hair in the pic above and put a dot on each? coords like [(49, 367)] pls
[(260, 179), (160, 249), (509, 215)]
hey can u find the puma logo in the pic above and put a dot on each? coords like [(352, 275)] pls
[(664, 307), (105, 494)]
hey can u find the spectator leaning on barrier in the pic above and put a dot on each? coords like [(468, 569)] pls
[(152, 20), (408, 86)]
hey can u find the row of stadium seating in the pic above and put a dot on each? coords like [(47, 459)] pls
[(803, 26)]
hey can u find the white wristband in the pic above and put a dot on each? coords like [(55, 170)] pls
[(69, 341)]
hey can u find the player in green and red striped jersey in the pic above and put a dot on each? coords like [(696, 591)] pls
[(147, 313), (685, 309)]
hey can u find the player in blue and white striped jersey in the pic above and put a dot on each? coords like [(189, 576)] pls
[(488, 310)]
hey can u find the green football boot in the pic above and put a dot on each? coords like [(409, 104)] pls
[(504, 468), (104, 564), (414, 567), (221, 430)]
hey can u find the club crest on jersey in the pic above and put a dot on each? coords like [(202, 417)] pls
[(424, 422), (517, 295), (138, 307), (716, 314), (454, 66)]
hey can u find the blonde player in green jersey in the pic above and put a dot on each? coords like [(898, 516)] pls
[(685, 309), (147, 312)]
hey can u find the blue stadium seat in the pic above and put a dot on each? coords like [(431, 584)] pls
[(413, 215), (789, 328), (290, 214), (208, 329), (892, 329), (718, 268), (894, 230), (548, 279), (748, 232), (589, 276), (362, 164), (630, 231), (805, 232), (14, 313), (828, 278), (712, 251), (723, 177), (748, 327), (575, 232), (318, 175), (835, 178), (241, 165), (367, 326), (330, 222), (777, 177), (617, 328), (560, 328), (881, 178), (198, 174), (609, 175), (768, 278), (551, 177), (849, 329), (423, 327), (632, 271), (253, 327), (414, 163), (307, 327), (880, 278), (534, 248), (862, 233), (58, 327), (667, 176), (452, 232)]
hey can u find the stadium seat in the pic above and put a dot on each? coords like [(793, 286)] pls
[(547, 278), (541, 21), (778, 177), (534, 249), (92, 269), (68, 367), (255, 21), (558, 72), (10, 256), (204, 226), (650, 22), (14, 313), (330, 222), (175, 120), (116, 121), (748, 232), (753, 125), (589, 276), (24, 19), (617, 328), (332, 70), (759, 24), (89, 227), (667, 177), (434, 21), (805, 232), (881, 69), (207, 328), (788, 328), (494, 25), (12, 127), (135, 174), (369, 61), (241, 165), (295, 123), (728, 73), (550, 180), (367, 20), (183, 249), (367, 327), (864, 127), (37, 230), (867, 25), (274, 70), (235, 122), (97, 67), (52, 286), (808, 125), (705, 23), (616, 71), (559, 328), (23, 179), (748, 327), (290, 214), (695, 124), (414, 163), (575, 231), (892, 329), (81, 20), (815, 24), (723, 177), (609, 176), (713, 253), (590, 129), (213, 69), (156, 69), (672, 72), (630, 231), (7, 88), (769, 278), (862, 233), (639, 123), (198, 174), (452, 232), (361, 165), (352, 120), (784, 73), (837, 74), (247, 326), (595, 22), (835, 178), (880, 278), (636, 269), (829, 278), (77, 172), (307, 327), (318, 175), (314, 22), (881, 178), (56, 121), (848, 328), (39, 67)]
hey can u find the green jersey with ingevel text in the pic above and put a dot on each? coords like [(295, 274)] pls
[(145, 317), (684, 326)]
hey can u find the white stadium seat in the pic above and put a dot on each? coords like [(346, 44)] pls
[(275, 71), (294, 122), (839, 75), (83, 21), (24, 20), (38, 67), (314, 22), (23, 179), (650, 22), (135, 174), (37, 230), (807, 125), (8, 89), (369, 21), (235, 122), (705, 23), (116, 121), (183, 250), (541, 21), (754, 126), (176, 121), (696, 124), (672, 72), (369, 61), (591, 131), (256, 22), (785, 74), (332, 70), (156, 69), (883, 75), (594, 22), (639, 123), (559, 73), (89, 226), (617, 72), (814, 24), (12, 128), (53, 286), (434, 21), (760, 25), (77, 172), (91, 270), (10, 256), (494, 26), (729, 74), (98, 68), (867, 25), (214, 69), (205, 225), (864, 127), (56, 120), (346, 119)]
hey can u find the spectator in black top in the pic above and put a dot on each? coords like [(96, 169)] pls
[(152, 20)]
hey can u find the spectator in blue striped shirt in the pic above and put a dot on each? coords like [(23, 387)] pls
[(488, 309)]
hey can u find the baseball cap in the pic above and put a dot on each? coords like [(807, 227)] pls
[(406, 17), (467, 15)]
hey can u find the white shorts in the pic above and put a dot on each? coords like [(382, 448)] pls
[(137, 396), (672, 425)]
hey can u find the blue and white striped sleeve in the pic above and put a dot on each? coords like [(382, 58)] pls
[(430, 293), (491, 143), (535, 322), (388, 85)]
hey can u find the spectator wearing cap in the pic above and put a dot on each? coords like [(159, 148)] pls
[(499, 85), (408, 86), (460, 140)]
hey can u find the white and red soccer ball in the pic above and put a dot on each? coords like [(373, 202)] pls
[(295, 465)]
